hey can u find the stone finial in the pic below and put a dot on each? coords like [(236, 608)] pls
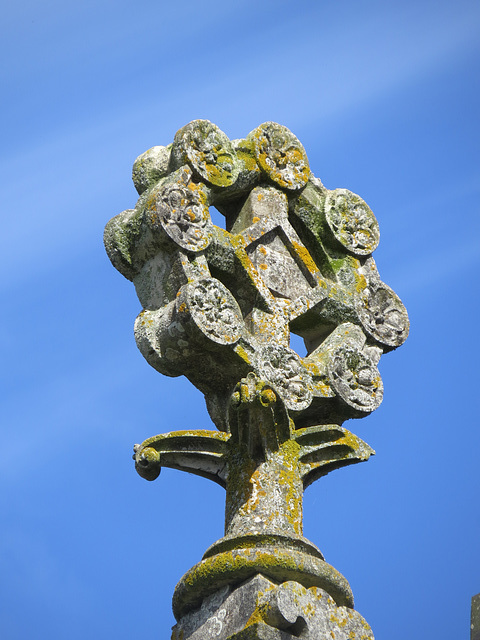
[(219, 306)]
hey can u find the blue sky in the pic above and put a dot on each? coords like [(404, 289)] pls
[(385, 98)]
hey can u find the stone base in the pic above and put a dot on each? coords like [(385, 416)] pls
[(264, 610), (280, 562)]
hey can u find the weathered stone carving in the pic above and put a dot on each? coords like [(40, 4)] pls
[(352, 222), (260, 608), (280, 155), (383, 315), (180, 208), (208, 151), (218, 307), (283, 368), (213, 309)]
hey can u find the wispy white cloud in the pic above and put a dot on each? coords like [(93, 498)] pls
[(300, 72)]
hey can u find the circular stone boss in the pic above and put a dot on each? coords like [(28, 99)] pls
[(208, 151), (355, 379), (383, 315), (150, 166), (284, 369), (352, 222), (183, 213), (281, 155), (213, 309)]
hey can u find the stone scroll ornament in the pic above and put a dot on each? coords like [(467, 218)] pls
[(219, 305)]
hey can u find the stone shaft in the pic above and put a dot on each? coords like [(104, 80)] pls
[(266, 497)]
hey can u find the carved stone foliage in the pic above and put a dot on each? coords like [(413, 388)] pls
[(352, 222), (208, 150), (383, 315), (356, 378), (298, 255), (281, 156), (180, 207), (285, 370), (213, 309)]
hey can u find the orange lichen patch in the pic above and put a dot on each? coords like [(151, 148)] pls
[(268, 397), (255, 219), (323, 389), (248, 160), (145, 318), (237, 241), (256, 617), (199, 190), (305, 257), (218, 175), (339, 620), (280, 155), (360, 282)]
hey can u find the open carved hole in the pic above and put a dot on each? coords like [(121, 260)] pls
[(298, 627), (298, 345), (217, 218)]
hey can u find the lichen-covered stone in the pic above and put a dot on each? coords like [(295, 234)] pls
[(150, 166), (178, 206), (219, 306), (275, 562), (352, 222), (383, 315), (264, 609), (280, 155), (118, 242), (208, 151)]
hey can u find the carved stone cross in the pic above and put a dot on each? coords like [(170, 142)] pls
[(219, 306)]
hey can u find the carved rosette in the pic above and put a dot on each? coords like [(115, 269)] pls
[(283, 368), (281, 156), (352, 222), (383, 315), (355, 378), (180, 208), (213, 309), (208, 151)]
